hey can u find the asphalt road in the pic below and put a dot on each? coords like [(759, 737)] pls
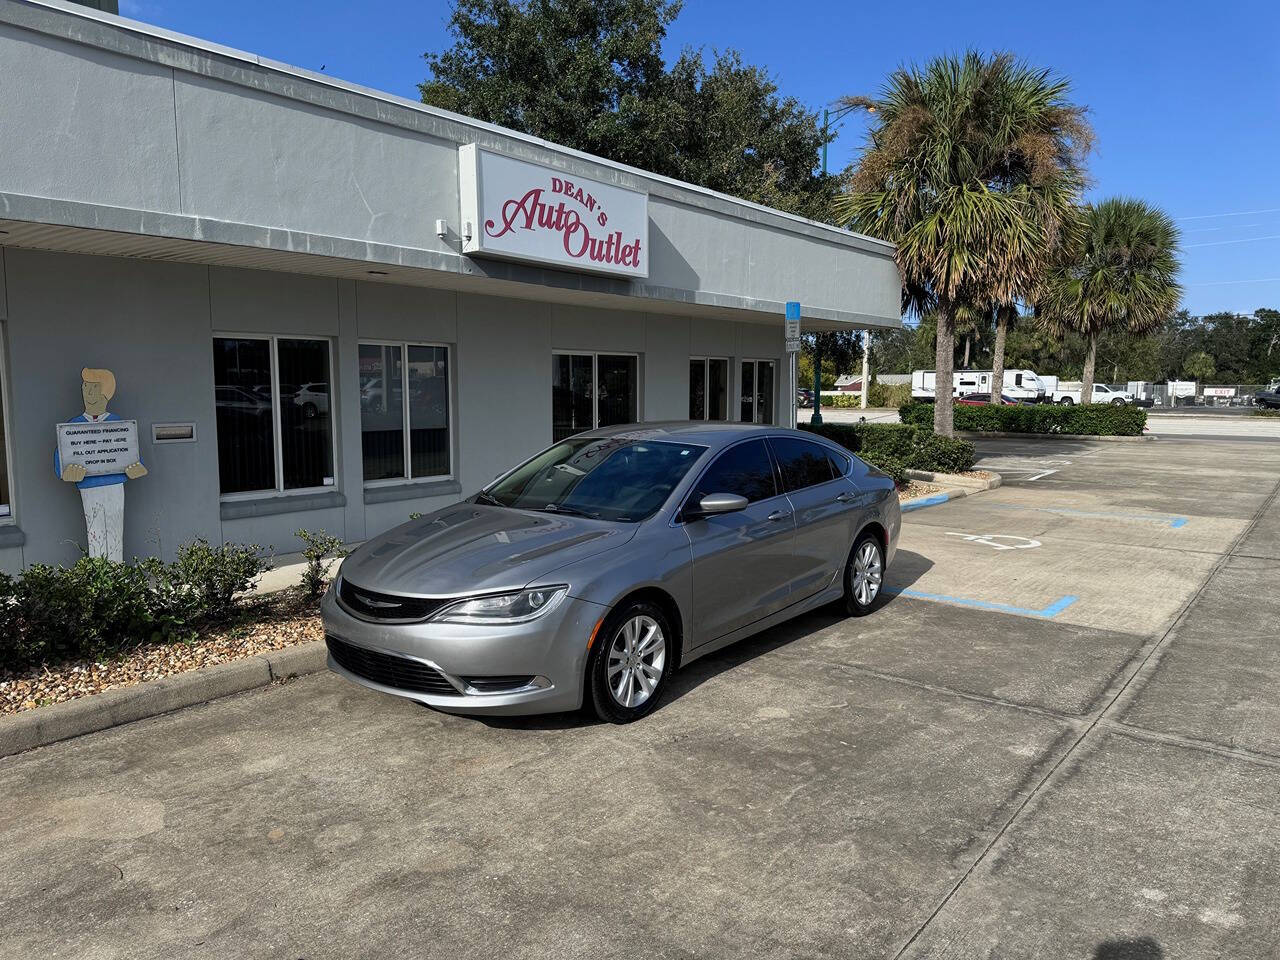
[(1059, 738)]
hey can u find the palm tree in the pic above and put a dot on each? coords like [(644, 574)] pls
[(1120, 274), (972, 170)]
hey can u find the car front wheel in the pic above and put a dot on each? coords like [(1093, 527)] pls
[(630, 663), (863, 575)]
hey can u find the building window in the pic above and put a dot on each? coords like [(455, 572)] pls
[(708, 388), (404, 383), (275, 422), (577, 403), (758, 388), (6, 503)]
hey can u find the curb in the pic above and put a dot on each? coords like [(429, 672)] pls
[(961, 487), (998, 434), (73, 718)]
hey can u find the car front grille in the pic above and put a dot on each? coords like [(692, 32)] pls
[(390, 670), (372, 605)]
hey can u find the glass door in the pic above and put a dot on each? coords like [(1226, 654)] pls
[(757, 391), (591, 390)]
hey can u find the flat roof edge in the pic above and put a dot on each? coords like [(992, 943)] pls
[(60, 18)]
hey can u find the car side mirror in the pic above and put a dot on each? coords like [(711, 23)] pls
[(714, 503)]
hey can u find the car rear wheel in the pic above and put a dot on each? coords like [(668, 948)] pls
[(1066, 402), (630, 662), (863, 575), (1117, 403)]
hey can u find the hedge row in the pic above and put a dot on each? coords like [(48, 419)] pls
[(896, 448), (1092, 419), (98, 608), (882, 395)]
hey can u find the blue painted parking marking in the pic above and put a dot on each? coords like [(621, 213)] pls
[(1046, 613), (923, 502), (1174, 522)]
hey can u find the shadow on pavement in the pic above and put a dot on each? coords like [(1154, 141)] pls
[(907, 568), (1137, 948)]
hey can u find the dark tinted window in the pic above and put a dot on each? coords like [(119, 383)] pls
[(803, 463), (745, 470), (839, 463)]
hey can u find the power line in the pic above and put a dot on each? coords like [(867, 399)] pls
[(1219, 243), (1237, 213)]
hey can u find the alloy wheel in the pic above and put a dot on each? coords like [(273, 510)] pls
[(636, 660), (867, 573)]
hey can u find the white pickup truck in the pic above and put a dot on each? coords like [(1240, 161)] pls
[(1101, 394)]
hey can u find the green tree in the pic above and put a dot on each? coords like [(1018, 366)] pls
[(590, 74), (1120, 275), (1199, 366), (971, 170)]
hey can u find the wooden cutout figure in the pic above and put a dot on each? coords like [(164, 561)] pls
[(102, 494)]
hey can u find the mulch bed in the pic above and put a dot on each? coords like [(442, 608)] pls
[(269, 622)]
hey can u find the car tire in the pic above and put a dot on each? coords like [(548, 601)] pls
[(1117, 403), (1066, 402), (866, 558), (619, 666), (309, 410)]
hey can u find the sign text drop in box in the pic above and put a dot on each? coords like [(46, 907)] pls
[(104, 447)]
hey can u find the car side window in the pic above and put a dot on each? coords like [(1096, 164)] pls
[(839, 463), (803, 462), (744, 470)]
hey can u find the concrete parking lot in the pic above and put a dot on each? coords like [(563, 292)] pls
[(1058, 738)]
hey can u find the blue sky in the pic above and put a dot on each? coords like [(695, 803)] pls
[(1185, 97)]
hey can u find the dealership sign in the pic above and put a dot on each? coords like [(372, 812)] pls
[(525, 211)]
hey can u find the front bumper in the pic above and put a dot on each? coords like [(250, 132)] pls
[(551, 651)]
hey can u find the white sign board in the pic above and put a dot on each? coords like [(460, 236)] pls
[(524, 211), (1219, 391), (105, 447)]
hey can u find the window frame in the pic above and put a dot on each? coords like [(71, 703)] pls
[(407, 428), (277, 437), (754, 392), (10, 517), (706, 385), (595, 356)]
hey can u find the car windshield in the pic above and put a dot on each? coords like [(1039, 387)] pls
[(608, 478)]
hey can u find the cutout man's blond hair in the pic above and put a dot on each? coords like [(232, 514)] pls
[(104, 377)]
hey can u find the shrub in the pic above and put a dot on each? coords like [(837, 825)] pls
[(899, 446), (208, 578), (1091, 419), (96, 608), (889, 394), (320, 548)]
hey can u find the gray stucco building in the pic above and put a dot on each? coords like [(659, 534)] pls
[(329, 307)]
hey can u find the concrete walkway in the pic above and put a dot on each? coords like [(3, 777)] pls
[(1067, 750)]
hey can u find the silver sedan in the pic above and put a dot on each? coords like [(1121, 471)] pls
[(588, 574)]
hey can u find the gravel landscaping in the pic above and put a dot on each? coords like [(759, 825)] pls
[(271, 622)]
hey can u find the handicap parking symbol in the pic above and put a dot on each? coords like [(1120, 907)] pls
[(998, 541)]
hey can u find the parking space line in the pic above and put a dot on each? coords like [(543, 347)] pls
[(1174, 522), (1046, 613)]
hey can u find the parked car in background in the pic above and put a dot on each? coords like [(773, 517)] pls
[(1101, 394), (588, 574), (1269, 397), (804, 397), (977, 399), (313, 398)]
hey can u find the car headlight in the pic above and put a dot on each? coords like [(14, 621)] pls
[(518, 607)]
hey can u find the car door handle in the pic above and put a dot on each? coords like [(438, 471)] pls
[(778, 515), (845, 497)]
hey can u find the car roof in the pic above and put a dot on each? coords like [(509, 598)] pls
[(711, 434)]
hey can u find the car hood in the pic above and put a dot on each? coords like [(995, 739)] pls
[(474, 548)]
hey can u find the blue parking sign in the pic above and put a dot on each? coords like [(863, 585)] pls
[(793, 309)]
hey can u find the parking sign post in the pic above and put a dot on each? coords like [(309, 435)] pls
[(791, 332)]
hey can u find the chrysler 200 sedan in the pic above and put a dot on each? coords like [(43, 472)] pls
[(588, 574)]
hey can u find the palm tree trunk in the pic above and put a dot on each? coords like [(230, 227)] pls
[(968, 339), (997, 353), (1086, 381), (944, 364)]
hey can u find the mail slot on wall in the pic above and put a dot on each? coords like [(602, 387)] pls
[(173, 432)]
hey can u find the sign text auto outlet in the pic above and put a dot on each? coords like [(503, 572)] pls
[(525, 211)]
